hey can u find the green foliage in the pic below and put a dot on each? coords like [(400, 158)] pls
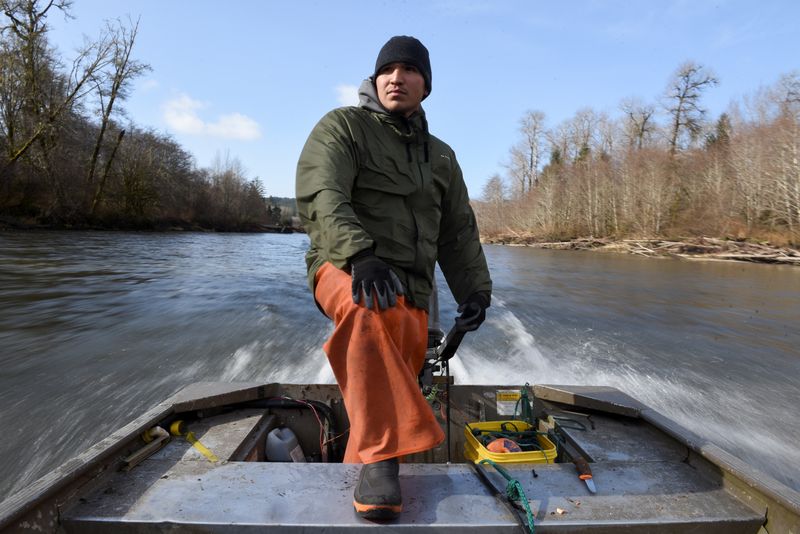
[(721, 136), (556, 157)]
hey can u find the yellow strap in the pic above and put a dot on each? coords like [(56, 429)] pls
[(178, 428), (201, 448)]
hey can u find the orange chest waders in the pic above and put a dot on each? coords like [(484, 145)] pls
[(376, 356)]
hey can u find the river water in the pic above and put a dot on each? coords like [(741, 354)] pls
[(95, 327)]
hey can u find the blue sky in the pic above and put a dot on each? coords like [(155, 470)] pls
[(251, 78)]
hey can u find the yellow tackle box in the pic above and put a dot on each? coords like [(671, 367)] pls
[(475, 451)]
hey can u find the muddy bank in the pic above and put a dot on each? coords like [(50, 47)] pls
[(696, 248)]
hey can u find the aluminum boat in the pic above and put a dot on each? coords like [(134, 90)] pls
[(197, 462)]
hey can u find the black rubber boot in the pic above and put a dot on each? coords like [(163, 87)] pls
[(377, 494)]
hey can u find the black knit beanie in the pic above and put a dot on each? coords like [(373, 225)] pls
[(405, 49)]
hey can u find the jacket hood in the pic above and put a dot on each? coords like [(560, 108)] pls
[(368, 99)]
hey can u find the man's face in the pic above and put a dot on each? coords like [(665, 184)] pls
[(401, 88)]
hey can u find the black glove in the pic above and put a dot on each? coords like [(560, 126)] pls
[(473, 311), (371, 275)]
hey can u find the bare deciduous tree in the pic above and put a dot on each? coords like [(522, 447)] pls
[(112, 84), (60, 166), (683, 101), (47, 97), (639, 122), (493, 203), (744, 181), (526, 154)]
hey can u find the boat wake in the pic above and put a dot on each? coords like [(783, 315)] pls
[(506, 352), (265, 361), (712, 407)]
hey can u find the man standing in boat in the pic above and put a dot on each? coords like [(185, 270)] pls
[(382, 200)]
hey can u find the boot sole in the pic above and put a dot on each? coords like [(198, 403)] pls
[(378, 511)]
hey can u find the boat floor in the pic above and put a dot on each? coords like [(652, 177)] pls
[(640, 488), (253, 497)]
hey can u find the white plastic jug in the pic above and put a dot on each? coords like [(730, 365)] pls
[(282, 446)]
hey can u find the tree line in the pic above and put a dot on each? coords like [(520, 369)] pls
[(69, 156), (633, 175)]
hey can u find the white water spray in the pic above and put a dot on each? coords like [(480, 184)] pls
[(712, 408)]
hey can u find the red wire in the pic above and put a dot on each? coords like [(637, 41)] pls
[(322, 440), (319, 421)]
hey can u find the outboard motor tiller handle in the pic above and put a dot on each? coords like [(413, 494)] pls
[(449, 346)]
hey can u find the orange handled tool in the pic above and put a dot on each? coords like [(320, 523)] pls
[(584, 472)]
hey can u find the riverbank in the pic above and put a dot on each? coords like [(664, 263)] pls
[(692, 248), (15, 223)]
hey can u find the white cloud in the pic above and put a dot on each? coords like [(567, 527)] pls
[(182, 115), (347, 95), (148, 84), (235, 126)]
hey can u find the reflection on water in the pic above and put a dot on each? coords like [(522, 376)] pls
[(96, 327)]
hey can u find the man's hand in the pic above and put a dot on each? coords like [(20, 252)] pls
[(473, 311), (371, 275)]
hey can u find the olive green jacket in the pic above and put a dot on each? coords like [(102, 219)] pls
[(369, 179)]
